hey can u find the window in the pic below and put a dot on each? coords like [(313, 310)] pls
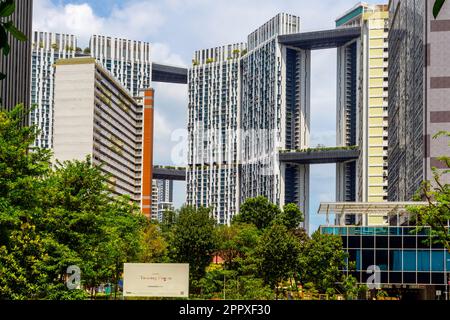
[(409, 277), (395, 242), (381, 259), (438, 278), (368, 259), (437, 261), (409, 242), (368, 241), (423, 260), (423, 277), (396, 260), (382, 242), (447, 259), (409, 260)]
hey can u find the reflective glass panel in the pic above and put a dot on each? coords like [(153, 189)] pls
[(409, 260)]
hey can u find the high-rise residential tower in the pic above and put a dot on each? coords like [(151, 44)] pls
[(273, 114), (47, 49), (95, 115), (419, 94), (213, 124), (246, 104), (162, 198), (128, 60), (16, 87), (362, 106)]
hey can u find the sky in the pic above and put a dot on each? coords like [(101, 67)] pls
[(177, 28)]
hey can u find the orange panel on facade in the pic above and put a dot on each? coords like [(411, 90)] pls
[(147, 153)]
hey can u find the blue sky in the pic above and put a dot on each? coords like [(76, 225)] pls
[(176, 28)]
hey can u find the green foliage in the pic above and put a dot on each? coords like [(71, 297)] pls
[(351, 288), (235, 243), (248, 288), (192, 240), (278, 251), (436, 214), (155, 246), (322, 261), (7, 8), (52, 218), (437, 7), (257, 211), (168, 221), (291, 217)]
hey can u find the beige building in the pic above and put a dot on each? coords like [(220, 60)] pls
[(95, 115), (363, 115)]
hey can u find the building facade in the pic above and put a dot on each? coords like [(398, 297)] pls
[(362, 104), (162, 198), (247, 102), (418, 94), (16, 87), (47, 48), (274, 115), (213, 125), (128, 60), (274, 111), (407, 262), (95, 115)]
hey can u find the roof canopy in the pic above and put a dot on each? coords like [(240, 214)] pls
[(382, 208)]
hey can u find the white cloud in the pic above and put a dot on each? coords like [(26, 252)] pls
[(79, 20), (162, 53), (134, 20)]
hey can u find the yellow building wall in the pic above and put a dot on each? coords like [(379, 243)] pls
[(376, 82), (375, 131), (376, 92), (376, 53), (376, 43)]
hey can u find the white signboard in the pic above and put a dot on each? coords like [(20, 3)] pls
[(156, 280)]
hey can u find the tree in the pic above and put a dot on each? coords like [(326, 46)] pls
[(124, 232), (291, 217), (21, 265), (28, 253), (436, 215), (52, 218), (155, 245), (235, 243), (351, 288), (169, 219), (192, 240), (258, 211), (322, 261), (7, 8), (278, 251), (438, 4)]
